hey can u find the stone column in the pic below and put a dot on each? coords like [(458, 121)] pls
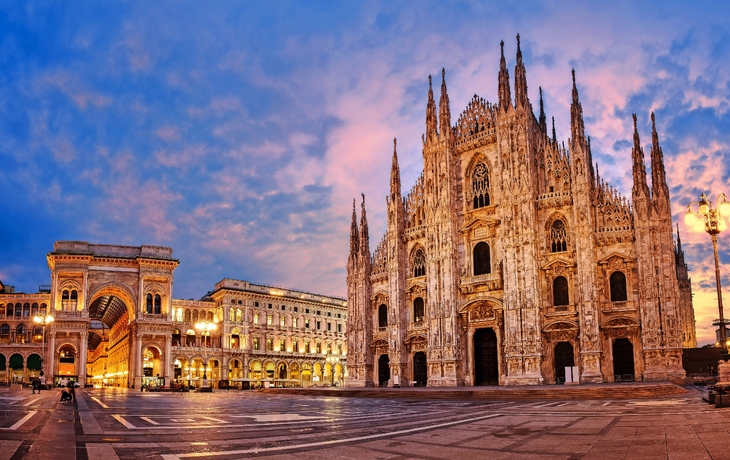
[(49, 362), (471, 375), (81, 368), (136, 362), (169, 373)]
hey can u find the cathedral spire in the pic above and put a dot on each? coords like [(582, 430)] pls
[(505, 98), (658, 175), (521, 99), (431, 132), (542, 120), (444, 110), (638, 168), (577, 129), (364, 237), (395, 190), (354, 238)]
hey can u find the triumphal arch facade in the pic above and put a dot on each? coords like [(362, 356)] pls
[(111, 296)]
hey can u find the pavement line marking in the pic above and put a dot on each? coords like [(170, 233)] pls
[(32, 401), (100, 403), (546, 405), (21, 421), (215, 419), (561, 405), (325, 443), (147, 419), (606, 403), (124, 422)]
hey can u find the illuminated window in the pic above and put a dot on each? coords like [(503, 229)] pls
[(255, 318), (269, 345), (269, 320), (294, 322), (295, 346), (282, 321), (282, 344), (256, 343)]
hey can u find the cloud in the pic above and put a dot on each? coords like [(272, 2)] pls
[(168, 133)]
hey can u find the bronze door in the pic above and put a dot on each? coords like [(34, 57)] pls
[(383, 370), (420, 374), (563, 358), (623, 360), (486, 368)]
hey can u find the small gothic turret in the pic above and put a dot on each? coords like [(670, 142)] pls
[(505, 98), (431, 131), (395, 189), (555, 138), (638, 168), (444, 109), (659, 188), (577, 129), (542, 120), (364, 237), (354, 237), (521, 99)]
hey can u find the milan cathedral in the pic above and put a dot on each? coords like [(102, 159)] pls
[(511, 261)]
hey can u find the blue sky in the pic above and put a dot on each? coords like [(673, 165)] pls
[(238, 133)]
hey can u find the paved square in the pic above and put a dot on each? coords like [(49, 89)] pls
[(114, 424)]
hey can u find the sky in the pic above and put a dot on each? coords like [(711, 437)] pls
[(238, 133)]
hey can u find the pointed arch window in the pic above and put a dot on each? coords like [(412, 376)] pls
[(382, 316), (482, 259), (618, 287), (188, 317), (480, 186), (158, 304), (558, 237), (419, 263), (418, 310), (149, 303), (560, 291)]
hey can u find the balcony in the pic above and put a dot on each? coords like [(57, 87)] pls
[(561, 310), (489, 281)]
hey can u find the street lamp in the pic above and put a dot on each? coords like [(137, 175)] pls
[(205, 328), (333, 360), (712, 220), (43, 320)]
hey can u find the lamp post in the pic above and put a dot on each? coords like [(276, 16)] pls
[(43, 320), (205, 328), (712, 220)]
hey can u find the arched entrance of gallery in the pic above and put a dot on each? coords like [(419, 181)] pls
[(486, 359), (623, 360), (563, 358), (111, 312), (152, 373), (420, 371), (383, 370)]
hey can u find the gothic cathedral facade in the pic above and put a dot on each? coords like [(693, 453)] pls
[(510, 261)]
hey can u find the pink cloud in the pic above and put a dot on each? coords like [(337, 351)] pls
[(73, 88), (168, 133)]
